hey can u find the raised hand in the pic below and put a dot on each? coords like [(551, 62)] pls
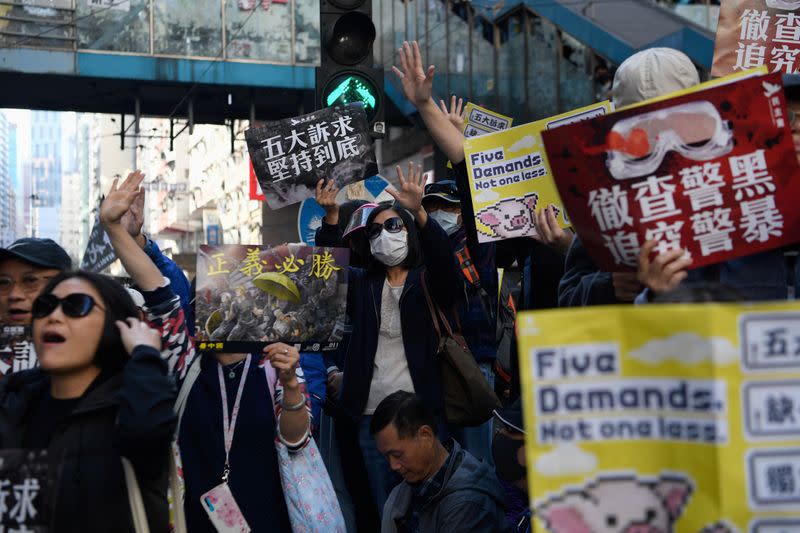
[(120, 198), (412, 189), (133, 220), (326, 198), (456, 114), (417, 83)]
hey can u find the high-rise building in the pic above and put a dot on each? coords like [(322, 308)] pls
[(7, 212), (53, 153)]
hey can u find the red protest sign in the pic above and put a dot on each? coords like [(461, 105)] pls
[(752, 33), (713, 172)]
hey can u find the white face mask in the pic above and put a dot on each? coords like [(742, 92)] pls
[(448, 221), (391, 249)]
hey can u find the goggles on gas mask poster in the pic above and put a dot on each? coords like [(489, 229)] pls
[(637, 145), (786, 5)]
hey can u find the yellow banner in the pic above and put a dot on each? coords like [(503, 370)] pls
[(510, 177), (663, 418)]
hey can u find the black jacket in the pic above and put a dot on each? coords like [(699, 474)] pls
[(129, 414)]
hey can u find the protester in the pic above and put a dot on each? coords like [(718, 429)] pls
[(644, 75), (133, 220), (101, 393), (209, 452), (25, 268), (394, 344), (444, 487), (508, 448), (770, 275)]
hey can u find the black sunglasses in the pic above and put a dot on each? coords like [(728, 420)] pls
[(75, 305), (392, 225)]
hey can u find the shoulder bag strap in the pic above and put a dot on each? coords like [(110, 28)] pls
[(135, 499), (431, 307), (435, 310)]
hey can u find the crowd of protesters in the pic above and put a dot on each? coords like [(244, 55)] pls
[(126, 406)]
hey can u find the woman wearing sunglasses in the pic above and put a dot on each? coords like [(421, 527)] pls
[(101, 393), (393, 345)]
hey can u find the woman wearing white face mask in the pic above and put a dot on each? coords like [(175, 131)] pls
[(393, 345)]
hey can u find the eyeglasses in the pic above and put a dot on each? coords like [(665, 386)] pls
[(76, 305), (392, 225), (28, 283)]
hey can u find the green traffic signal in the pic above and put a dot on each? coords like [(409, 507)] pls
[(349, 88)]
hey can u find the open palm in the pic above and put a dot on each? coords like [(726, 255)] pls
[(417, 83), (412, 188), (120, 198)]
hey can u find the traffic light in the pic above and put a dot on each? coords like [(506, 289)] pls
[(346, 73)]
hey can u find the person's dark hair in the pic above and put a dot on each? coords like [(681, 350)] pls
[(111, 355), (414, 257), (699, 293), (406, 411)]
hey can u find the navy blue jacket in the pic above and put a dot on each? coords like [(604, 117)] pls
[(419, 336), (583, 282)]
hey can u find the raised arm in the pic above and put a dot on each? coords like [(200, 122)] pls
[(418, 86), (116, 204)]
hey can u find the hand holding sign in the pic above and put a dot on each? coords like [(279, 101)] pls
[(411, 192), (120, 199), (417, 83), (665, 272), (549, 232)]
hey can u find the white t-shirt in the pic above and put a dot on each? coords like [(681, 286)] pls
[(391, 366)]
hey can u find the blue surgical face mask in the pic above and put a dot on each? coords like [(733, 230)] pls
[(447, 220)]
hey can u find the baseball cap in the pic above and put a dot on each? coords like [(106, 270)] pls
[(651, 73), (43, 253), (359, 218), (511, 416), (446, 190)]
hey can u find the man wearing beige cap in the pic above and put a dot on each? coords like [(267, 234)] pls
[(646, 74)]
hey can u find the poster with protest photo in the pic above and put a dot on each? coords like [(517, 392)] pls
[(713, 173), (668, 418), (250, 296), (510, 178), (99, 253), (751, 33), (290, 156), (27, 491), (16, 349)]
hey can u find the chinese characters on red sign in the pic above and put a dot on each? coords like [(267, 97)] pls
[(713, 173), (752, 33)]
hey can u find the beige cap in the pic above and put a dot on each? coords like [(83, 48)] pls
[(651, 73)]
